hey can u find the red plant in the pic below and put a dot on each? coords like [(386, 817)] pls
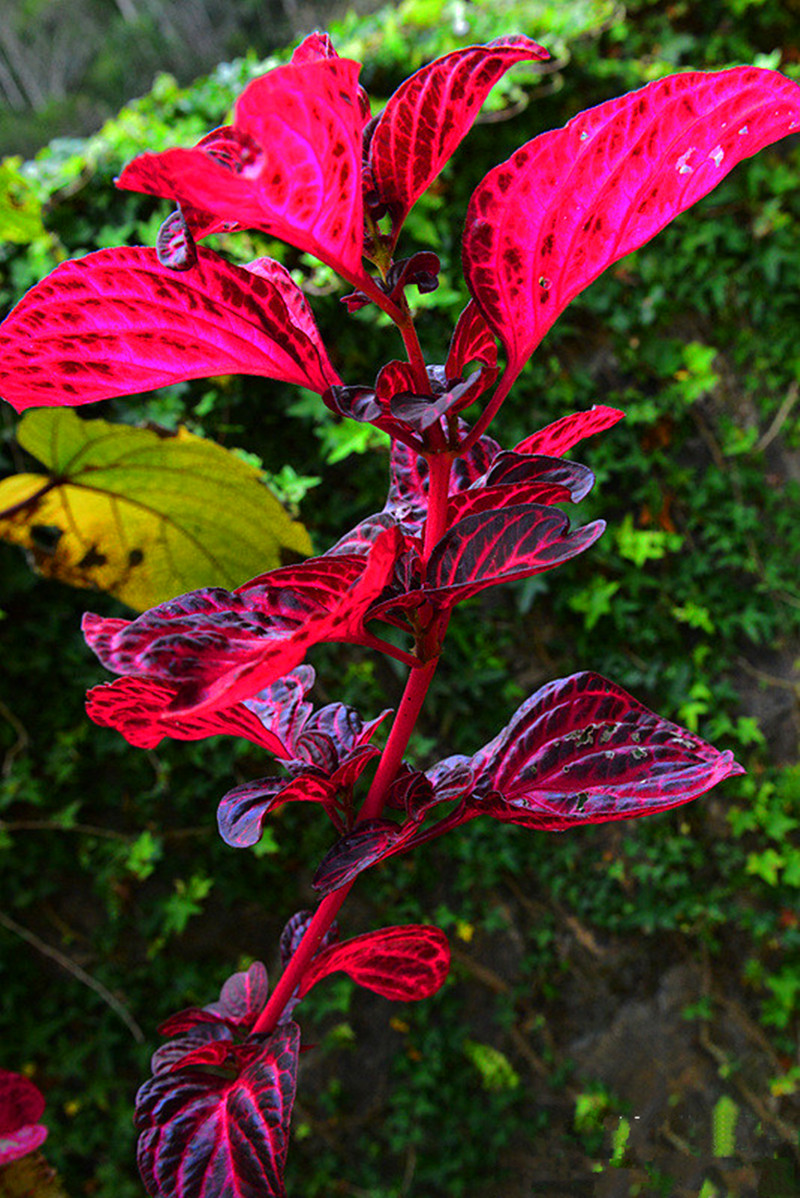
[(21, 1108), (306, 162)]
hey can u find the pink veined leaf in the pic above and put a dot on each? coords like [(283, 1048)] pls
[(243, 995), (562, 435), (494, 547), (175, 245), (220, 647), (139, 707), (515, 478), (302, 180), (472, 341), (582, 750), (117, 322), (402, 963), (428, 116), (203, 1135), (370, 841), (544, 224)]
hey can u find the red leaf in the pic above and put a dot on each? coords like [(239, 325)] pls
[(428, 116), (582, 751), (219, 646), (405, 964), (204, 1137), (544, 224), (472, 341), (139, 709), (302, 182), (562, 435), (117, 322), (21, 1108), (522, 479)]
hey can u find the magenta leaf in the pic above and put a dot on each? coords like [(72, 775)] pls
[(579, 751), (428, 116), (220, 647), (203, 1135), (545, 223), (117, 322), (21, 1108), (472, 341), (404, 964), (522, 479), (562, 435), (298, 174), (139, 709)]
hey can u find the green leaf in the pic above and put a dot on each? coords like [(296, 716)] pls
[(20, 208), (141, 514)]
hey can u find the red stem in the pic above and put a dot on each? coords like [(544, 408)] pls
[(416, 690)]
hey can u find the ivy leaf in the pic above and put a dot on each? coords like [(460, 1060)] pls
[(135, 512), (203, 1135), (404, 963), (429, 115), (544, 224), (118, 322)]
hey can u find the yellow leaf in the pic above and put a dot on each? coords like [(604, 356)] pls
[(141, 514)]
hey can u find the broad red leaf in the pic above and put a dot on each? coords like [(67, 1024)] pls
[(302, 179), (562, 435), (427, 117), (220, 647), (580, 751), (117, 322), (544, 224), (203, 1136), (405, 963), (139, 709)]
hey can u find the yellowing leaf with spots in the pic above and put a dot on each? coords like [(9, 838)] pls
[(141, 514)]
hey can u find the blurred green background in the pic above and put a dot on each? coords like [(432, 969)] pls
[(623, 1011)]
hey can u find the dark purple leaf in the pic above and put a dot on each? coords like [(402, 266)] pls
[(243, 995), (427, 117), (242, 811), (580, 751), (294, 932), (369, 843), (404, 964), (117, 321), (515, 479), (543, 225), (472, 341), (203, 1136), (494, 547)]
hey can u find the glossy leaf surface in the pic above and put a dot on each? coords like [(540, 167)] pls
[(117, 321), (135, 512), (564, 207)]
